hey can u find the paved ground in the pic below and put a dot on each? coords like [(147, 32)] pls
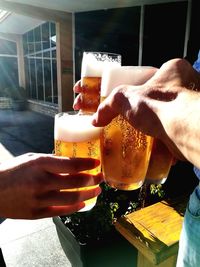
[(26, 131), (27, 243)]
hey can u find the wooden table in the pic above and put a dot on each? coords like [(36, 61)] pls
[(155, 232)]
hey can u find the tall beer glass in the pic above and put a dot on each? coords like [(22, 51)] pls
[(93, 64), (125, 150), (75, 136), (159, 164)]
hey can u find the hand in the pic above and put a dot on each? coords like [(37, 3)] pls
[(86, 104), (30, 186), (78, 100), (163, 107), (78, 89), (177, 72)]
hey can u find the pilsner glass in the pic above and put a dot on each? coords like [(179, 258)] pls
[(75, 136), (93, 64), (125, 150), (159, 164)]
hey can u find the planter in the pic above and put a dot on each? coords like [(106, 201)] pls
[(5, 103), (112, 253)]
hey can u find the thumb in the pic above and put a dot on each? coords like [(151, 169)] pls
[(116, 103)]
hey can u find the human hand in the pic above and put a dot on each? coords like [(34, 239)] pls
[(137, 102), (145, 108), (89, 104), (176, 72), (30, 185), (159, 107)]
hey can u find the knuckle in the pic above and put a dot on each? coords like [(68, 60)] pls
[(118, 98)]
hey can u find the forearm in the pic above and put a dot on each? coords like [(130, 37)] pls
[(181, 122)]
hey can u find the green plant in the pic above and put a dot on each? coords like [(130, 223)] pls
[(157, 189), (98, 223)]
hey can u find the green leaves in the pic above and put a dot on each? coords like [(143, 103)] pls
[(157, 189)]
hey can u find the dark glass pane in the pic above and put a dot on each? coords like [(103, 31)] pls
[(53, 28), (8, 47), (30, 37), (163, 37), (47, 78), (194, 40), (39, 79), (27, 75), (53, 53), (46, 54), (55, 88), (30, 42), (31, 48), (112, 30), (39, 55), (9, 72), (32, 56), (25, 45), (37, 35), (53, 34), (45, 35), (33, 79)]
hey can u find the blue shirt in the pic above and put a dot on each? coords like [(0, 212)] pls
[(197, 172), (196, 66)]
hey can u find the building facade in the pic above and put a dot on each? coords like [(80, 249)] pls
[(46, 59)]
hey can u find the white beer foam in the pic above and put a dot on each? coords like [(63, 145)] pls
[(93, 67), (132, 75), (75, 128)]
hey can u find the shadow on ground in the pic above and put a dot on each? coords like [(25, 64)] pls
[(26, 131)]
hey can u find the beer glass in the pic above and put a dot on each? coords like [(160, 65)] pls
[(75, 136), (93, 64), (125, 150), (159, 164)]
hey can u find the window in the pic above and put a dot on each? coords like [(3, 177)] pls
[(113, 30), (40, 62), (8, 64), (146, 35), (8, 47), (164, 37)]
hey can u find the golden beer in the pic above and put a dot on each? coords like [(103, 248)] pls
[(125, 150), (91, 95), (76, 137), (160, 163), (125, 155), (93, 64)]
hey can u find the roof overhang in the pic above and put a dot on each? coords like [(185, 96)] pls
[(24, 15), (86, 5), (3, 15), (18, 24)]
